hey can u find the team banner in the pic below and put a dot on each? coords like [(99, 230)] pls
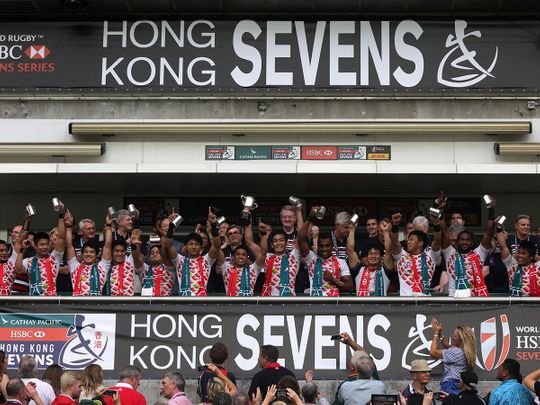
[(280, 57), (158, 337)]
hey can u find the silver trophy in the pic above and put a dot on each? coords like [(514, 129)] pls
[(295, 201), (488, 200), (57, 204), (30, 210), (249, 205), (178, 220), (132, 210), (111, 211), (435, 212), (154, 239), (320, 212), (220, 220), (500, 222), (354, 219)]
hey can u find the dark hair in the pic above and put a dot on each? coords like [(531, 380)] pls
[(309, 392), (422, 237), (195, 237), (92, 244), (39, 236), (513, 369), (218, 353), (241, 247), (288, 381), (3, 242), (270, 352), (373, 245), (469, 379), (466, 232), (222, 398), (325, 235), (530, 247), (119, 242), (14, 387), (278, 232)]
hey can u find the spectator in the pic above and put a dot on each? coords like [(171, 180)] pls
[(339, 235), (52, 375), (92, 382), (531, 382), (4, 378), (240, 398), (421, 374), (28, 372), (218, 355), (130, 379), (511, 391), (310, 392), (522, 227), (222, 398), (458, 354), (20, 394), (291, 220), (271, 371), (172, 388), (358, 392), (87, 229), (7, 268), (469, 392), (71, 382)]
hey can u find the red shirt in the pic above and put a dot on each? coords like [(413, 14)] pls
[(128, 396), (63, 400)]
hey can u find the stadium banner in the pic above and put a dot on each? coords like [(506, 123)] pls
[(280, 57), (177, 334)]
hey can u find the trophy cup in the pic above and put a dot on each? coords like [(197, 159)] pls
[(132, 210), (435, 212), (220, 220), (57, 204), (249, 205), (320, 212), (295, 201), (178, 220), (354, 219), (111, 211), (30, 210), (500, 222), (488, 200)]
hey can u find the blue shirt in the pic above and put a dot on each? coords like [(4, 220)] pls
[(510, 392)]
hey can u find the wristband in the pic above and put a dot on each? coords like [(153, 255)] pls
[(395, 228), (491, 213), (215, 230), (170, 231), (498, 229), (60, 215), (136, 224), (69, 226), (108, 225), (437, 228), (21, 250)]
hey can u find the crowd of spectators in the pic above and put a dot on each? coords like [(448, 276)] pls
[(277, 385)]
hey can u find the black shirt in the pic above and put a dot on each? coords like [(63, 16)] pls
[(266, 377)]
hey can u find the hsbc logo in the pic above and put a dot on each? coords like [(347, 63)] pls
[(37, 52), (39, 334), (494, 340)]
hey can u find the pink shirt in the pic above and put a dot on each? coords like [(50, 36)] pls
[(179, 399)]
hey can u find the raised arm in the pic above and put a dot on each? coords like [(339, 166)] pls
[(299, 218), (213, 253), (490, 227), (168, 240), (348, 340), (437, 231), (138, 257), (20, 246), (248, 236), (388, 260), (303, 244), (530, 379), (501, 240), (68, 223), (106, 254), (261, 257), (395, 247), (434, 350), (351, 253), (61, 240)]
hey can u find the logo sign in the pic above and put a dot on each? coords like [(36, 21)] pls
[(37, 52), (74, 341), (494, 339), (253, 152), (319, 152), (220, 153), (378, 153), (352, 152), (286, 152)]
